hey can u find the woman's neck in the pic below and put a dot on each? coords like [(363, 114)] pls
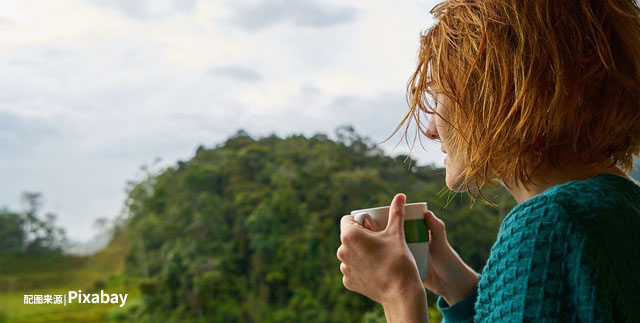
[(548, 176)]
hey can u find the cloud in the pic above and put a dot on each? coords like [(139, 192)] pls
[(86, 103), (145, 10), (235, 72), (20, 135), (307, 13)]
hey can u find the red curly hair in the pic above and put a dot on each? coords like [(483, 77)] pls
[(530, 82)]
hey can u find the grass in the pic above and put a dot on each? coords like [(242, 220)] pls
[(30, 275)]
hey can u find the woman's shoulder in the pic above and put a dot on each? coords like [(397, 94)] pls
[(578, 237), (604, 197), (600, 190), (524, 277), (602, 212)]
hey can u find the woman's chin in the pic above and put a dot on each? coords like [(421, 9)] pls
[(453, 175), (454, 183)]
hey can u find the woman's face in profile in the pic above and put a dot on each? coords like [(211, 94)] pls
[(437, 130)]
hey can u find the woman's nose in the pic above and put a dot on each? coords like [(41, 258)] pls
[(432, 131)]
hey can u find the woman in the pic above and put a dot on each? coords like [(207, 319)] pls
[(542, 97)]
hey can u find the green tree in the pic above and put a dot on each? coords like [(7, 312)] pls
[(247, 231), (12, 235)]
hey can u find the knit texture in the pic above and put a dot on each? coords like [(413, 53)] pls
[(570, 254)]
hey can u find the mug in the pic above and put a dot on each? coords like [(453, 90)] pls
[(416, 232)]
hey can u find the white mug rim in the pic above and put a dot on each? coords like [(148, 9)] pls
[(386, 207)]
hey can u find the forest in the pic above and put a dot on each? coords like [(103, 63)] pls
[(247, 231)]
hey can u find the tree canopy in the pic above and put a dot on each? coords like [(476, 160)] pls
[(248, 231)]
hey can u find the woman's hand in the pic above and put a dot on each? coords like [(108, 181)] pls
[(447, 274), (379, 264)]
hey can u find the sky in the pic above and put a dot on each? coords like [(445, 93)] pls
[(91, 90)]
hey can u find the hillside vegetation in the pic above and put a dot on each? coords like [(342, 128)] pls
[(248, 231), (54, 273)]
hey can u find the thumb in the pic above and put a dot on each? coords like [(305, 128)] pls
[(395, 223)]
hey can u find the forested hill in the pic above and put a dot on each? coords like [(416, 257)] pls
[(248, 231)]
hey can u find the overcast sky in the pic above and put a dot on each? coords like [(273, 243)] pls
[(90, 90)]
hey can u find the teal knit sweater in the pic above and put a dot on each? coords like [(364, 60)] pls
[(570, 254)]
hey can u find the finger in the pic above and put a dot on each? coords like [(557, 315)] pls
[(349, 229), (367, 222), (346, 221), (341, 254), (396, 215), (364, 219), (436, 226)]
